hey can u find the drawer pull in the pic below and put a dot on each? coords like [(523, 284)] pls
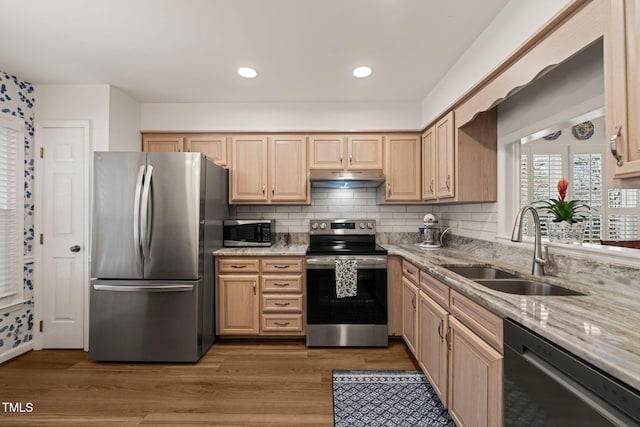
[(410, 273), (447, 336), (238, 266), (281, 323), (281, 266), (282, 304), (282, 285), (440, 331)]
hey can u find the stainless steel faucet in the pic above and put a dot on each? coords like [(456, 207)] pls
[(539, 261)]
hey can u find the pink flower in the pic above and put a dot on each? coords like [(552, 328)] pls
[(562, 188)]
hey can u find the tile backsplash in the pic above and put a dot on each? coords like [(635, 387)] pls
[(476, 220)]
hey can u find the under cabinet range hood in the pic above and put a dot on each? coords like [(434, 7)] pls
[(341, 179)]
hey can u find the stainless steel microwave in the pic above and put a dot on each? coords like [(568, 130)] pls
[(249, 232)]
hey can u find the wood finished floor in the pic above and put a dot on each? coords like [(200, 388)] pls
[(236, 383)]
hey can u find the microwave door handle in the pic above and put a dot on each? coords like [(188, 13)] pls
[(136, 215), (144, 214)]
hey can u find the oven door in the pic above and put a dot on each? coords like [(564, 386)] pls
[(368, 307)]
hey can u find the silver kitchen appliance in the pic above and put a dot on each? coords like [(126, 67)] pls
[(431, 234), (338, 250), (157, 218), (249, 232)]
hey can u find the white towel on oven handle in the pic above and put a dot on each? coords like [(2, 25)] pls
[(346, 278)]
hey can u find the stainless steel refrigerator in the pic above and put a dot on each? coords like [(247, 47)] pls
[(157, 218)]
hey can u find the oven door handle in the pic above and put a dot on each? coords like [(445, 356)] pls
[(329, 262)]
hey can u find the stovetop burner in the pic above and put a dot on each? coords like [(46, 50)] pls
[(343, 237)]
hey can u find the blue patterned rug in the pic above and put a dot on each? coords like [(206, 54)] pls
[(386, 398)]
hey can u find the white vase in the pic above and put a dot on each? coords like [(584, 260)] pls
[(565, 232)]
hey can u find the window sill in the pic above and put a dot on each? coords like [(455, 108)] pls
[(606, 254), (12, 306)]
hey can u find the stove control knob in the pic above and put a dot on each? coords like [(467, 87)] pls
[(314, 225), (370, 226), (323, 226), (362, 226)]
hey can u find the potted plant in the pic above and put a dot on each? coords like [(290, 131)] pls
[(567, 221)]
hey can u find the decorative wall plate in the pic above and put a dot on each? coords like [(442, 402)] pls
[(553, 136), (583, 130)]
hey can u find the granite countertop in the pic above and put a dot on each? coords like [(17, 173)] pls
[(600, 327), (276, 250)]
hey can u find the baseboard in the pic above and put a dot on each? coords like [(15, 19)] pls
[(15, 352)]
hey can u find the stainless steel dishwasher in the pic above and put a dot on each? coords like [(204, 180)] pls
[(545, 385)]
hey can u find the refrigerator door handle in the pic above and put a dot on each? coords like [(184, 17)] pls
[(144, 214), (136, 215), (155, 288)]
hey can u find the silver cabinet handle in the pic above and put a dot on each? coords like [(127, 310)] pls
[(238, 266), (350, 158), (613, 146), (440, 330), (75, 248), (410, 273), (281, 323), (264, 187), (340, 158), (254, 288), (431, 186), (388, 189), (282, 285), (273, 190), (447, 338), (281, 266), (282, 304), (448, 182), (413, 302)]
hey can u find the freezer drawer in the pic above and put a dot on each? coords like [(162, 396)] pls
[(145, 321)]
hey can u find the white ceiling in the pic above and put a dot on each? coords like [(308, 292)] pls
[(189, 50)]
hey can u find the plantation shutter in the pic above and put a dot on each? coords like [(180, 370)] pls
[(11, 208), (622, 218), (586, 182)]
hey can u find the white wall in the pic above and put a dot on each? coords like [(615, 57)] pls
[(517, 21), (124, 121), (76, 102), (281, 116)]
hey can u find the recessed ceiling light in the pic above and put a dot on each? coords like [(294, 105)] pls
[(361, 72), (247, 73)]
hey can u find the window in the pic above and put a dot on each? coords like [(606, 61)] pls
[(11, 210), (614, 212)]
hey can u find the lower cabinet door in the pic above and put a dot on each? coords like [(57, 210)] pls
[(432, 354), (238, 305), (475, 379), (409, 314)]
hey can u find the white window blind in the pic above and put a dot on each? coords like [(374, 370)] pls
[(614, 214), (11, 210)]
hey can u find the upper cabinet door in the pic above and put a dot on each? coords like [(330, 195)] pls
[(402, 168), (248, 168), (162, 143), (288, 168), (327, 152), (211, 145), (428, 165), (622, 80), (446, 157), (364, 152)]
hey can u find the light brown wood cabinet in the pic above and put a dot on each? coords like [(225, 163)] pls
[(269, 302), (475, 379), (410, 277), (445, 157), (346, 152), (433, 351), (269, 169), (212, 145), (429, 165), (622, 84), (402, 169)]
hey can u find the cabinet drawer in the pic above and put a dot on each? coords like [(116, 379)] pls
[(411, 272), (282, 265), (282, 323), (477, 318), (239, 265), (273, 303), (281, 283), (437, 290)]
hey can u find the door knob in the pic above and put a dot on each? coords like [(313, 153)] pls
[(74, 248)]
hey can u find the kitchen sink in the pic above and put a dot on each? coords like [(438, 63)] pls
[(526, 287), (503, 281), (482, 273)]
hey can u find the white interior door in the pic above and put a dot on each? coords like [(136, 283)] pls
[(64, 234)]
